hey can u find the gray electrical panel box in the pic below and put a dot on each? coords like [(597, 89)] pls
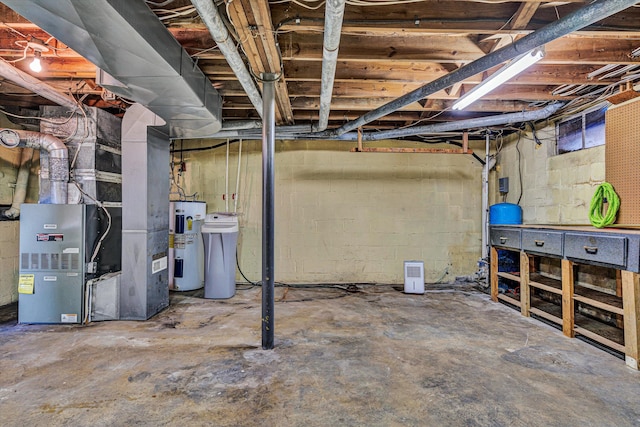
[(503, 185), (56, 245)]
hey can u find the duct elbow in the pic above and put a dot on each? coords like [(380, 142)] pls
[(9, 138), (58, 157)]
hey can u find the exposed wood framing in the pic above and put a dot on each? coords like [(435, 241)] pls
[(252, 21), (409, 150), (568, 305)]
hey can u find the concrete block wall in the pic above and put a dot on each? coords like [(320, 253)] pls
[(9, 230), (346, 217), (9, 247), (556, 189)]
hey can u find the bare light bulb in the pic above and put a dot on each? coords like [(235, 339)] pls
[(35, 65)]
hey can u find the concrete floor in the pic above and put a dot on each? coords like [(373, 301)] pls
[(376, 357)]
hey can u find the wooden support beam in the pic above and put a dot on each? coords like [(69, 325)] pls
[(493, 273), (465, 142), (619, 318), (525, 290), (252, 21), (455, 88), (519, 21), (568, 307), (410, 150), (631, 306), (355, 48)]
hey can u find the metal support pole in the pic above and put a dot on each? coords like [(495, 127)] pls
[(268, 204)]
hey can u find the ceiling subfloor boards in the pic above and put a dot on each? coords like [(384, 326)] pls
[(252, 21)]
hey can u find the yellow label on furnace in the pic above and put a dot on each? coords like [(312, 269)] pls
[(25, 283)]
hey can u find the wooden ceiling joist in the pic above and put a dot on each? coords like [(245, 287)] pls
[(252, 21)]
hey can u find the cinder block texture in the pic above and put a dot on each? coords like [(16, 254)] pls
[(556, 189), (346, 217), (9, 245)]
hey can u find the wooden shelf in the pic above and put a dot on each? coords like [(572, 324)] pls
[(545, 283), (509, 276), (597, 337), (508, 299), (547, 310), (548, 316), (598, 299)]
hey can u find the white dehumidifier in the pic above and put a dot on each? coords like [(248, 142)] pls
[(414, 277)]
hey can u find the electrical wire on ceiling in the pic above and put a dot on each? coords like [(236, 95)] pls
[(302, 3), (159, 4)]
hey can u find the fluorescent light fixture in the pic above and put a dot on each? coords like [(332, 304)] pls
[(505, 73), (35, 64)]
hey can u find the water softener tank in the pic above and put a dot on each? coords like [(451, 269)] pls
[(505, 213)]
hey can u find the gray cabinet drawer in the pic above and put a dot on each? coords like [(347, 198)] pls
[(505, 237), (604, 249), (542, 242)]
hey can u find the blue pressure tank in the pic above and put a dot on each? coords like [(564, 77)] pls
[(508, 261), (505, 213)]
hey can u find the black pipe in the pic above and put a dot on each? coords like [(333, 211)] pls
[(268, 204), (587, 15)]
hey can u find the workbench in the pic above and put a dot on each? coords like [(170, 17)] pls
[(612, 248)]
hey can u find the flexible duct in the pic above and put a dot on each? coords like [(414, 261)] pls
[(58, 157), (22, 182)]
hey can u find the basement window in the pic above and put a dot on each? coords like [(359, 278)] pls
[(584, 130)]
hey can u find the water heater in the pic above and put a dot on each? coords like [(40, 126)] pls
[(186, 247)]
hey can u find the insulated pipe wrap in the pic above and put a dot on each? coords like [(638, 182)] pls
[(334, 14)]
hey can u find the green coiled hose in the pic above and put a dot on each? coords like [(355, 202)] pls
[(604, 192)]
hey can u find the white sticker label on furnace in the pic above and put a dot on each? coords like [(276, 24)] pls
[(50, 226), (69, 318), (159, 265)]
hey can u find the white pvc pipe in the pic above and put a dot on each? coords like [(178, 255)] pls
[(485, 200), (226, 182), (235, 198)]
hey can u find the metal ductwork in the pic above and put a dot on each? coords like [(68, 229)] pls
[(58, 157), (211, 18), (334, 12), (146, 63), (297, 132), (478, 123), (144, 288), (594, 12)]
